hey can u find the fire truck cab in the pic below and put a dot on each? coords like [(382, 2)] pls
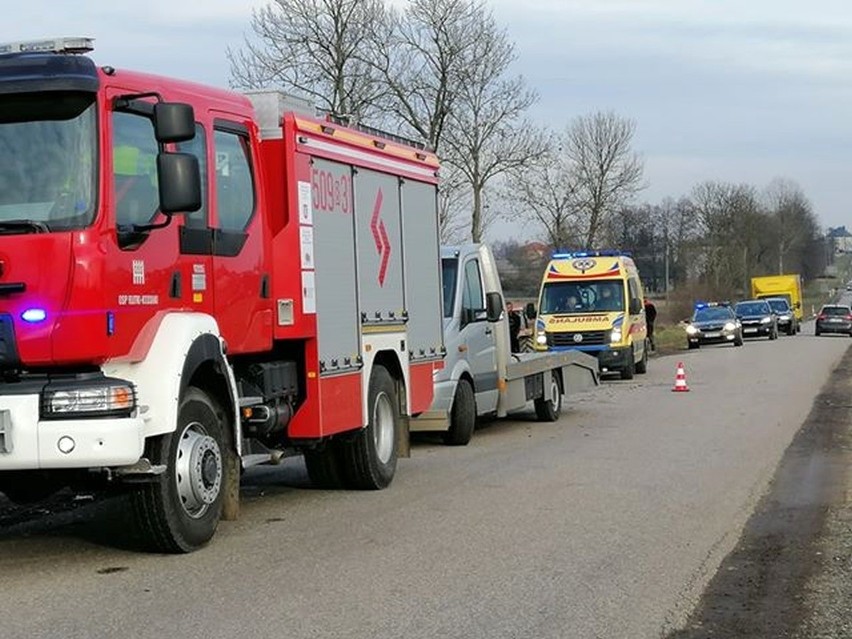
[(193, 281)]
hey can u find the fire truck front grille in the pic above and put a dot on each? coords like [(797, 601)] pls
[(578, 338)]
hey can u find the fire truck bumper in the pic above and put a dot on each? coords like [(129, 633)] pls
[(28, 443)]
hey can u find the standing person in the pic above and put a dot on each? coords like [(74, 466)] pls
[(514, 327), (650, 317)]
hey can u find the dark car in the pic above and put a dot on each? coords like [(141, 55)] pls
[(786, 317), (757, 318), (713, 324), (834, 318)]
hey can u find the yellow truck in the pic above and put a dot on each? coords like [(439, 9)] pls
[(788, 286), (592, 301)]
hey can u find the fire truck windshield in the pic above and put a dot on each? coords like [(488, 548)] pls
[(48, 146)]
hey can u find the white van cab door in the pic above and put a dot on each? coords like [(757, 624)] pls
[(477, 336)]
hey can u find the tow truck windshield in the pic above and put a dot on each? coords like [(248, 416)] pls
[(48, 146)]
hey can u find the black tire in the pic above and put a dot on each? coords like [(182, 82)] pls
[(323, 466), (368, 462), (180, 511), (630, 368), (791, 330), (693, 345), (738, 341), (462, 416), (549, 407), (816, 332), (642, 366)]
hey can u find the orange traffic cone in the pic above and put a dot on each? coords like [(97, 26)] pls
[(680, 380)]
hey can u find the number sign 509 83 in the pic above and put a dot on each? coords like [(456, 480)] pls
[(331, 193)]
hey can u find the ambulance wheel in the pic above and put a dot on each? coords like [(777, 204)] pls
[(549, 407), (462, 417), (369, 460), (629, 368), (180, 511), (642, 366), (323, 466)]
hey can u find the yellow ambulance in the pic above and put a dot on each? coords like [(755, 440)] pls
[(593, 301)]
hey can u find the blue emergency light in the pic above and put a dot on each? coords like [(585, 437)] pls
[(592, 253)]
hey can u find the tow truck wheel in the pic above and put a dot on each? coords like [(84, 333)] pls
[(323, 466), (462, 417), (549, 407), (180, 511), (369, 460)]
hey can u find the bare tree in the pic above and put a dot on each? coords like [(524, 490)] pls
[(544, 187), (316, 48), (794, 222), (420, 54), (444, 65), (487, 136), (606, 171)]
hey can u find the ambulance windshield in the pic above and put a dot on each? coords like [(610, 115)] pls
[(48, 147), (572, 297)]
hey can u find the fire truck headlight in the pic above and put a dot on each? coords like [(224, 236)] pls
[(615, 336), (102, 397)]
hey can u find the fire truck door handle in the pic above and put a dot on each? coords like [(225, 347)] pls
[(175, 289)]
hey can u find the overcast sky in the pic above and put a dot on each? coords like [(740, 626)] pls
[(731, 90)]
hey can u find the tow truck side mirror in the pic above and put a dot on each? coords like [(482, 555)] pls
[(493, 306)]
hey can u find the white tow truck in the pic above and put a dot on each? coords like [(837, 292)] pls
[(481, 376)]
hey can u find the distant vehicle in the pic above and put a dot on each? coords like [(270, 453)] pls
[(787, 321), (714, 324), (849, 286), (834, 318), (787, 286), (757, 318)]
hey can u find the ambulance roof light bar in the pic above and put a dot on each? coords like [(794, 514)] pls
[(592, 253), (49, 45)]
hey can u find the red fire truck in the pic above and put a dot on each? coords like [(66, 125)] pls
[(194, 281)]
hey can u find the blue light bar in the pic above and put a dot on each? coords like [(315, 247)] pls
[(591, 253), (34, 315)]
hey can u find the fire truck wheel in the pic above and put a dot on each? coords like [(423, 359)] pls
[(549, 407), (181, 510), (323, 466), (369, 460), (462, 417)]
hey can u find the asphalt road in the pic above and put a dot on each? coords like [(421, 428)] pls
[(608, 523)]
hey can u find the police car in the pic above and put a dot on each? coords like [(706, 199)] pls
[(713, 323)]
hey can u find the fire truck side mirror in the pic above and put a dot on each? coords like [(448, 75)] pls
[(180, 183), (173, 122)]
